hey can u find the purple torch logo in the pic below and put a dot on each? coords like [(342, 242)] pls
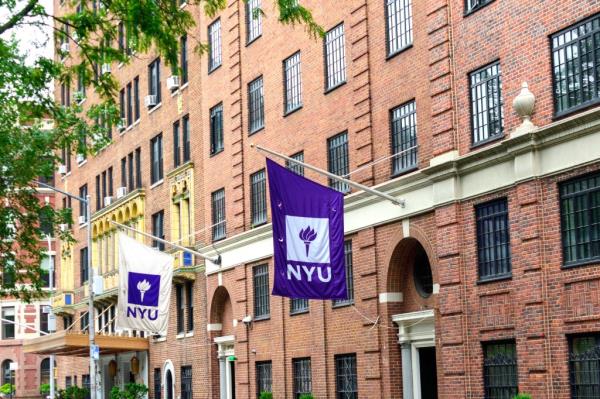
[(307, 235)]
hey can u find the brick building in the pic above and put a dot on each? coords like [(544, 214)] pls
[(482, 285)]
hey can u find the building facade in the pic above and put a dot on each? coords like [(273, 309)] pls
[(482, 285)]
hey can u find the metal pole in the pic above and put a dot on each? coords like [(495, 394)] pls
[(51, 287), (91, 318), (358, 186)]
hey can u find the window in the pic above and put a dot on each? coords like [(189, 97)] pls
[(121, 37), (81, 86), (584, 366), (8, 326), (189, 301), (580, 219), (294, 167), (180, 307), (302, 377), (186, 382), (176, 145), (83, 192), (157, 383), (493, 242), (158, 229), (67, 322), (218, 214), (138, 168), (85, 382), (253, 20), (156, 171), (122, 113), (335, 57), (487, 119), (43, 320), (264, 379), (136, 98), (349, 276), (261, 292), (298, 305), (84, 323), (258, 189), (474, 5), (68, 382), (45, 371), (399, 25), (186, 138), (216, 129), (154, 79), (184, 59), (575, 66), (214, 45), (500, 370), (65, 94), (346, 381), (292, 78), (404, 137), (256, 105), (337, 159), (8, 375), (83, 265), (129, 104)]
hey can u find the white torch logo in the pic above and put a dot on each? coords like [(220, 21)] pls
[(143, 286)]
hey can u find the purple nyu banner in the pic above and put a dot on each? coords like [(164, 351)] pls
[(308, 236)]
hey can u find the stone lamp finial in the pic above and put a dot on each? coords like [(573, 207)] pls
[(523, 104)]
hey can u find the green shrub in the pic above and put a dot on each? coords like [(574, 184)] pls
[(306, 396), (45, 389), (523, 396), (266, 395), (73, 392), (131, 391), (7, 389)]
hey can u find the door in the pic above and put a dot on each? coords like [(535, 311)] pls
[(169, 385), (231, 381), (428, 373)]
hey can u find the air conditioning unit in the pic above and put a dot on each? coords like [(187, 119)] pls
[(173, 82), (121, 124), (105, 68), (64, 47), (121, 192), (82, 220), (62, 169), (64, 227), (80, 158), (107, 200), (150, 100)]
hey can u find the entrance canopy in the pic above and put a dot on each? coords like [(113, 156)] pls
[(68, 343)]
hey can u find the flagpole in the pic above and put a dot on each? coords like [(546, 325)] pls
[(216, 261), (393, 200)]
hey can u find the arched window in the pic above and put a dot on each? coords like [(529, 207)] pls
[(7, 374), (45, 371)]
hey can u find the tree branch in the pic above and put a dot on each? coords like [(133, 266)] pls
[(18, 16)]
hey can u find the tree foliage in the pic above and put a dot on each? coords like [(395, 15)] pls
[(30, 145)]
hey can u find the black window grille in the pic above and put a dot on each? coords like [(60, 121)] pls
[(399, 25), (335, 57), (218, 214), (298, 305), (129, 104), (158, 229), (176, 145), (43, 320), (258, 188), (131, 171), (584, 366), (292, 78), (180, 308), (138, 168), (214, 45), (256, 105), (404, 137), (83, 191), (302, 377), (294, 167), (156, 171), (8, 322), (493, 241), (184, 59), (216, 129), (261, 291), (85, 382), (154, 79), (580, 219), (157, 383), (349, 276), (487, 119), (500, 370), (253, 20), (189, 301), (84, 322), (186, 382), (473, 5), (136, 98), (264, 379), (122, 115), (83, 265), (346, 380), (186, 138), (338, 162)]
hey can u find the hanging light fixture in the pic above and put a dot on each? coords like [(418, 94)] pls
[(112, 368), (135, 365)]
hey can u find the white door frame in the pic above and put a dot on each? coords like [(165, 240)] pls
[(416, 365), (225, 349)]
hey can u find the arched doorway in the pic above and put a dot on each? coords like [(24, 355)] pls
[(222, 332), (169, 385), (169, 378)]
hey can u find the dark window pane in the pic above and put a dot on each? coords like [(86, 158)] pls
[(338, 161), (258, 189), (214, 45), (156, 155), (186, 382), (302, 377), (293, 83), (487, 119), (472, 5), (584, 367), (263, 377), (180, 307), (176, 145), (493, 241), (500, 370), (218, 214), (346, 380), (158, 230), (216, 129), (335, 57), (186, 139), (253, 19), (399, 25), (294, 167), (298, 305), (256, 109), (349, 276), (189, 301), (404, 137), (261, 291), (184, 59), (157, 383)]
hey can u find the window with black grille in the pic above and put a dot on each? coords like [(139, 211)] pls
[(189, 302), (264, 379), (185, 123), (129, 104), (83, 265), (500, 369), (261, 291), (122, 113), (158, 220), (346, 380), (154, 80), (256, 105), (493, 241), (218, 214), (295, 167), (83, 192), (584, 366), (399, 25), (292, 79), (349, 276), (156, 154), (85, 383), (404, 137), (176, 145), (580, 219), (214, 45), (258, 191), (8, 325), (186, 382), (136, 98), (180, 308), (157, 383), (575, 66), (216, 129), (183, 59), (298, 305), (338, 162), (487, 119), (302, 377), (335, 57), (474, 5), (253, 20), (43, 320)]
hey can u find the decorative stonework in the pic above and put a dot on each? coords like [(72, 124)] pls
[(524, 105)]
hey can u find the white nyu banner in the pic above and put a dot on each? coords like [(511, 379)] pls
[(145, 279)]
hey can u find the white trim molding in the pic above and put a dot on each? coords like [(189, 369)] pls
[(214, 327), (386, 297)]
